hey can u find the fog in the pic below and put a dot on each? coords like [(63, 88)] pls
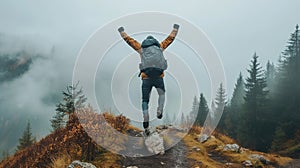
[(51, 33)]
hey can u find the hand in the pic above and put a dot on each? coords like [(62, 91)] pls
[(121, 29), (176, 26)]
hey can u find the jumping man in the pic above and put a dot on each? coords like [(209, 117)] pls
[(152, 68)]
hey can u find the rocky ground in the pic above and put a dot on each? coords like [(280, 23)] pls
[(182, 149), (174, 157), (174, 154)]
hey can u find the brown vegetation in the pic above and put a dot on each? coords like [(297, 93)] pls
[(70, 142), (213, 147)]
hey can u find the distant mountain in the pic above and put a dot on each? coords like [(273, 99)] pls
[(14, 65)]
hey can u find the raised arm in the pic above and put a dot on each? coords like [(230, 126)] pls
[(164, 44), (130, 41)]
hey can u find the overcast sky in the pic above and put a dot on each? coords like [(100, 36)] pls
[(236, 28)]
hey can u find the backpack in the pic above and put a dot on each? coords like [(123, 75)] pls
[(153, 62)]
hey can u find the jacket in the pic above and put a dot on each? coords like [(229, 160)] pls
[(138, 47)]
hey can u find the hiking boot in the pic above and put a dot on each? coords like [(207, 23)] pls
[(147, 131), (159, 113), (146, 124)]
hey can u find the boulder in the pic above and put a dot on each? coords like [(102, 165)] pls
[(155, 143), (260, 158), (231, 147), (247, 163), (161, 128), (196, 148), (203, 138), (77, 163)]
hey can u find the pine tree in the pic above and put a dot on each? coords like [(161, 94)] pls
[(58, 121), (5, 154), (202, 111), (73, 99), (253, 129), (287, 91), (237, 99), (289, 78), (220, 113), (220, 100), (279, 138), (194, 112), (182, 120), (27, 139), (270, 76), (188, 121), (235, 108)]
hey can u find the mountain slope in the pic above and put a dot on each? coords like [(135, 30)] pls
[(73, 143), (71, 140)]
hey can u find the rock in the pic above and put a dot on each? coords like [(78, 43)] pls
[(155, 143), (159, 128), (260, 158), (203, 138), (247, 163), (162, 163), (170, 127), (132, 167), (196, 148), (231, 147), (228, 164), (77, 163)]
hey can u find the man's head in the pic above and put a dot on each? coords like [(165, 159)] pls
[(149, 41)]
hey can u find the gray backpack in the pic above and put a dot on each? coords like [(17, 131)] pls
[(153, 62)]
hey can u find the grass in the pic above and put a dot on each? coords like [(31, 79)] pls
[(62, 161), (167, 141), (130, 127), (107, 160), (199, 158), (291, 151), (215, 145)]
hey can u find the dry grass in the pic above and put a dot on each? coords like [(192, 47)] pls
[(223, 138), (62, 161), (195, 130), (216, 144), (200, 158), (130, 127), (279, 160), (167, 141), (107, 160)]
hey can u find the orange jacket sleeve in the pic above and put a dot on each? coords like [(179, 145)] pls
[(164, 44), (132, 42)]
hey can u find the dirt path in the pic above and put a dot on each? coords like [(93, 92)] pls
[(174, 157)]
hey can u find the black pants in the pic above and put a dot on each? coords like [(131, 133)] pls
[(147, 85)]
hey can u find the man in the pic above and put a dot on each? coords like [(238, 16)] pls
[(152, 69)]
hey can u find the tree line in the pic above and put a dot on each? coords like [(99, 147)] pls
[(263, 112)]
